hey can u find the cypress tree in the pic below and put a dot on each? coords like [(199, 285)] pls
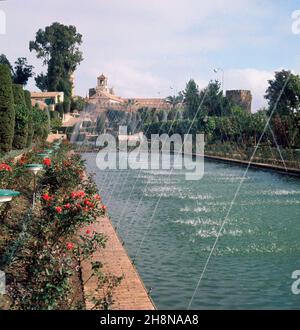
[(21, 124), (30, 120), (7, 111)]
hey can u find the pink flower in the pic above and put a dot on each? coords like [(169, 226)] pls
[(97, 197), (58, 209), (73, 195), (70, 246)]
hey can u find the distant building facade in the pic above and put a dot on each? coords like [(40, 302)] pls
[(104, 97), (49, 98), (241, 98)]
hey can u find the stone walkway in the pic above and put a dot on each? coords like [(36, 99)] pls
[(131, 294)]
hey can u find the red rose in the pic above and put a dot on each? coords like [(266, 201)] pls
[(46, 197), (58, 209), (47, 162), (73, 195), (81, 194), (88, 232), (103, 207), (97, 197), (67, 206), (5, 167), (70, 246)]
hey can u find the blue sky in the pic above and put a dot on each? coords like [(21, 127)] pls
[(146, 47)]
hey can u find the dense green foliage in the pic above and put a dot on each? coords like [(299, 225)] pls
[(22, 118), (191, 99), (283, 93), (22, 71), (30, 120), (40, 124), (58, 46), (7, 110), (56, 121), (208, 111), (100, 124), (78, 103)]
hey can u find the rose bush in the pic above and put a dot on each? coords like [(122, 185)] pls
[(52, 252)]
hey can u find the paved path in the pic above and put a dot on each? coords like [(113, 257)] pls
[(131, 293)]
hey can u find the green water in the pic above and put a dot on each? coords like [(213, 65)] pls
[(255, 257)]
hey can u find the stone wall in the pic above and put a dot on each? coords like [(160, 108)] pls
[(242, 98)]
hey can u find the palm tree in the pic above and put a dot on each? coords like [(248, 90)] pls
[(130, 103), (174, 101)]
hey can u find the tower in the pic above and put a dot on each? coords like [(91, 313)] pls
[(102, 82)]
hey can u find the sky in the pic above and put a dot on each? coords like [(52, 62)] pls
[(151, 48)]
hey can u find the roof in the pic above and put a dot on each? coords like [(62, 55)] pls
[(45, 94), (102, 76), (71, 122), (108, 96)]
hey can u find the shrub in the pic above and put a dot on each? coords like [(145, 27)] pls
[(67, 106), (60, 109), (7, 111), (21, 122), (40, 124), (30, 123)]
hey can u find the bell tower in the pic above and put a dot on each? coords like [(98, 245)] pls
[(102, 82)]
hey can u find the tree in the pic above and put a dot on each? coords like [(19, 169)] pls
[(40, 124), (41, 82), (22, 71), (67, 105), (59, 108), (78, 103), (130, 104), (55, 121), (4, 60), (191, 99), (214, 103), (30, 122), (100, 124), (21, 122), (7, 110), (174, 101), (289, 85), (58, 46)]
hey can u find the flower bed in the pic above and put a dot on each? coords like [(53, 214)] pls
[(41, 250)]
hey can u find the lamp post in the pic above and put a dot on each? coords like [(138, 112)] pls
[(223, 76), (34, 168), (42, 155), (7, 195)]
